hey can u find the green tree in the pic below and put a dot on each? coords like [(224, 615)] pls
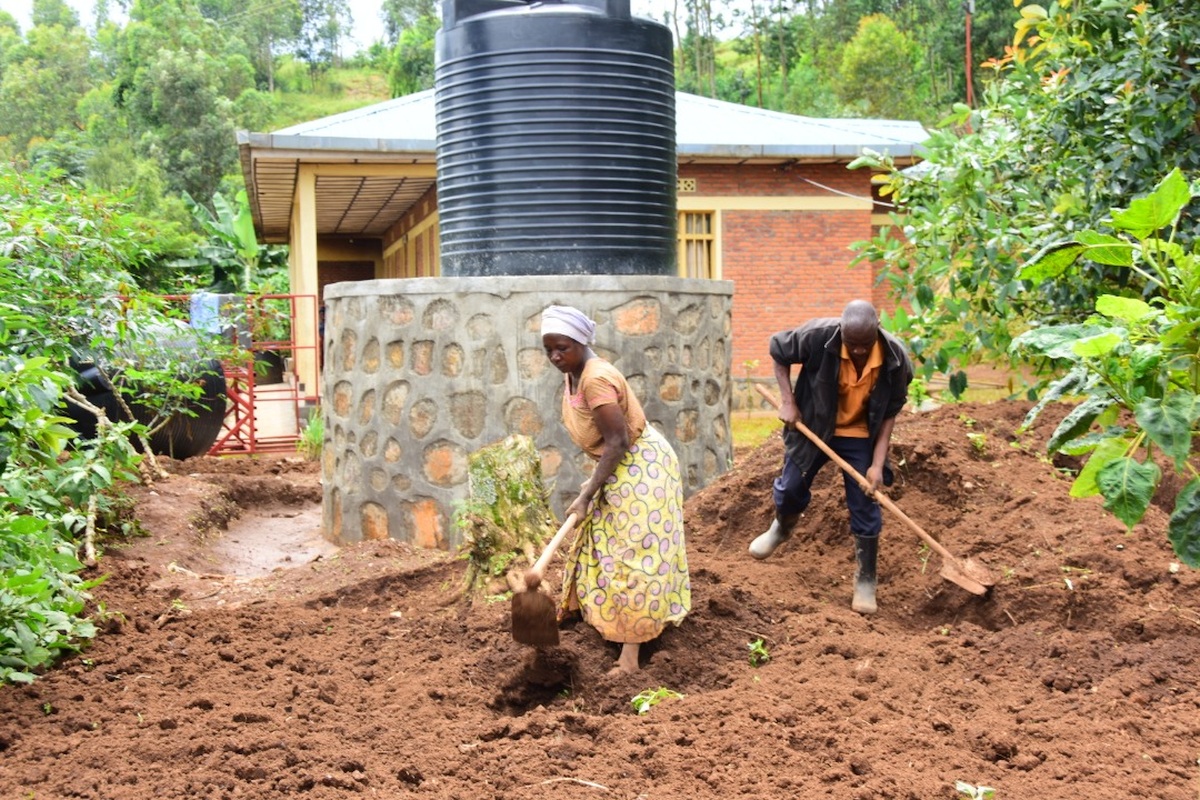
[(1139, 357), (870, 65), (269, 27), (411, 67), (323, 22), (185, 123), (1076, 121), (48, 13), (42, 82), (400, 15), (66, 294)]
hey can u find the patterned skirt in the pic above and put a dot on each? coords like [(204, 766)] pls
[(626, 571)]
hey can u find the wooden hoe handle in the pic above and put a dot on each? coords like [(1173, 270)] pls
[(540, 566), (878, 496)]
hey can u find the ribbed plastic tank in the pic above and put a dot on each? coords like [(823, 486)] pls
[(556, 140)]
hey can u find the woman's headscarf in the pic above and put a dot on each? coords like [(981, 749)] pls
[(570, 322)]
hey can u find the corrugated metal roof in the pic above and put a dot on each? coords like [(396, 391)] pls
[(403, 131), (704, 128)]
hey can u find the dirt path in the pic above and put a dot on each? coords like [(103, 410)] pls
[(357, 672)]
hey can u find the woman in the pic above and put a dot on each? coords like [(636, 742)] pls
[(626, 572)]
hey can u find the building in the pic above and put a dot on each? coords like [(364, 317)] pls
[(764, 200)]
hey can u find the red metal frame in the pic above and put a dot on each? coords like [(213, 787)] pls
[(241, 433)]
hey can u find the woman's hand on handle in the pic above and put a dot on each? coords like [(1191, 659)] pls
[(579, 505)]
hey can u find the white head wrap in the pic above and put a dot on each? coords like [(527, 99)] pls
[(570, 322)]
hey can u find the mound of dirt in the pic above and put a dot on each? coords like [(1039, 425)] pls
[(363, 672)]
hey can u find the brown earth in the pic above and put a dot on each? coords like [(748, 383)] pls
[(337, 674)]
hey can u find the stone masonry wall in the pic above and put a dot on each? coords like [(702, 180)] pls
[(421, 372)]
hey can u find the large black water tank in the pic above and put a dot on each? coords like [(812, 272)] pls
[(556, 140)]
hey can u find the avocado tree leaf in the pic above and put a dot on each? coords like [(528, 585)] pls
[(1073, 381), (1184, 527), (1051, 261), (1104, 452), (1105, 249), (1156, 210), (1055, 341), (1077, 422), (1168, 422), (1098, 346), (958, 383), (1127, 486), (1129, 309)]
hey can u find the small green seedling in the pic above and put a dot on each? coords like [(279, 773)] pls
[(924, 553), (978, 441), (648, 699), (759, 654), (974, 792)]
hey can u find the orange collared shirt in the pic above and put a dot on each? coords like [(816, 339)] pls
[(853, 391)]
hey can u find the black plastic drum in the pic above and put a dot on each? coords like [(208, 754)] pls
[(184, 435), (556, 140)]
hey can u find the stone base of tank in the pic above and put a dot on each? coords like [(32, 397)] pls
[(421, 372)]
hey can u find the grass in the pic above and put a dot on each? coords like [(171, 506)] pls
[(337, 91), (753, 429)]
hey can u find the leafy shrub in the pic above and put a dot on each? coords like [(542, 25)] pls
[(1141, 356), (66, 290)]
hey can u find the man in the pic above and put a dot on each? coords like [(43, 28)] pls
[(853, 382)]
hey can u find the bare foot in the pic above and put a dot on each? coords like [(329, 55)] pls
[(628, 660)]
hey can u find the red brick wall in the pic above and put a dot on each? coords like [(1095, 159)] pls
[(767, 180), (786, 266)]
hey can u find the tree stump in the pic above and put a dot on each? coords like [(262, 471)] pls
[(506, 519)]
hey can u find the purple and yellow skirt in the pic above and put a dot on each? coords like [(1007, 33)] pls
[(626, 571)]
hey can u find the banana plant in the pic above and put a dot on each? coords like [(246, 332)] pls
[(232, 249)]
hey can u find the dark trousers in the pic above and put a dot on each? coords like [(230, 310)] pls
[(792, 487)]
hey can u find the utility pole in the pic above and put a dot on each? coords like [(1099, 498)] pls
[(969, 7)]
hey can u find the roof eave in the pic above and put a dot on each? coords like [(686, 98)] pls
[(274, 143), (798, 152)]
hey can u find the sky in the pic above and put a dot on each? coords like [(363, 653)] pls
[(368, 27)]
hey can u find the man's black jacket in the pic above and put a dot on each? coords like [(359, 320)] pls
[(817, 347)]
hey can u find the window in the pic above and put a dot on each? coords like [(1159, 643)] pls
[(696, 245)]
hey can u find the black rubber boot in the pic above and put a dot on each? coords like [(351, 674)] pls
[(866, 551), (765, 543)]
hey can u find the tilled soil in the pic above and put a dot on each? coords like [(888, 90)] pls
[(365, 672)]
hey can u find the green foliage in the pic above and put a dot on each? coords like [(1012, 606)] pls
[(312, 438), (232, 255), (400, 15), (759, 654), (1135, 355), (645, 700), (41, 84), (67, 295), (1073, 123), (184, 121), (411, 67), (41, 598), (870, 63)]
